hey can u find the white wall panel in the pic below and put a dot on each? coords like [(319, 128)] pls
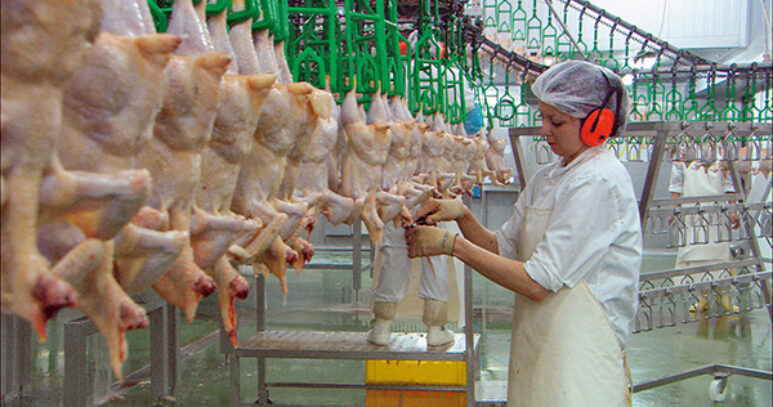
[(688, 23)]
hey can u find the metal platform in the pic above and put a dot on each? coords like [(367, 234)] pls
[(349, 345), (281, 344), (343, 345)]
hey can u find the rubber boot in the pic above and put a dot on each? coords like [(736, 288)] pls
[(382, 328), (435, 317)]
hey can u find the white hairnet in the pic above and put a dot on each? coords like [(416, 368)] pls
[(578, 87)]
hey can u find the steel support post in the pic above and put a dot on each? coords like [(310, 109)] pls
[(75, 333), (173, 346), (159, 363), (357, 259)]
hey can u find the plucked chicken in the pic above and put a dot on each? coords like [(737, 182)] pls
[(32, 91)]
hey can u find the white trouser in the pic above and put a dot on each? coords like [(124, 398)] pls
[(395, 271)]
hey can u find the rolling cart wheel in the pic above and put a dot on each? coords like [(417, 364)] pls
[(718, 390)]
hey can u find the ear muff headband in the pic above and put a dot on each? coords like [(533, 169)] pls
[(601, 122)]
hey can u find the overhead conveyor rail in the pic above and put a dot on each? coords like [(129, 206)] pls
[(678, 85)]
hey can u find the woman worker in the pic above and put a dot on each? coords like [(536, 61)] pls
[(571, 251)]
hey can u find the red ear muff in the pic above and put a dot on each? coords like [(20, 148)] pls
[(597, 127)]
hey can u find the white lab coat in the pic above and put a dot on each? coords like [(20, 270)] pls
[(593, 234)]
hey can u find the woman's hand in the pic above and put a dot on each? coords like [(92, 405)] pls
[(426, 241), (440, 210)]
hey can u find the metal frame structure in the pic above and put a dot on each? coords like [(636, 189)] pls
[(164, 345), (16, 356), (279, 344), (668, 298)]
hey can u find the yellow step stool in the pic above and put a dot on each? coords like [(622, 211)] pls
[(425, 372), (415, 398), (415, 372)]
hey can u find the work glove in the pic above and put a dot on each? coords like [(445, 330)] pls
[(426, 241), (440, 210)]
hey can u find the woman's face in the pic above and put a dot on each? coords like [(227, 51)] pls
[(561, 131)]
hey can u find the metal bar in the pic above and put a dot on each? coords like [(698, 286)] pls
[(484, 205), (511, 57), (159, 364), (358, 386), (262, 385), (703, 370), (357, 258), (520, 163), (693, 270), (648, 191), (330, 266), (469, 325), (23, 355), (696, 199), (173, 347), (75, 364), (703, 285), (236, 389), (469, 339), (744, 371), (693, 210), (469, 349), (260, 298), (6, 367), (662, 381), (352, 355)]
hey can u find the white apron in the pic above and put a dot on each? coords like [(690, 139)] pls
[(564, 351), (698, 181)]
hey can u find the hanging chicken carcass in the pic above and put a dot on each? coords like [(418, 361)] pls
[(495, 159), (109, 109), (318, 168), (241, 103), (32, 81)]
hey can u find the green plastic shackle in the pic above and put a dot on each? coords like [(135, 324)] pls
[(673, 99), (627, 56), (731, 111), (549, 38), (504, 14), (690, 106), (523, 110), (534, 31), (506, 104), (519, 26), (582, 47), (611, 62), (565, 50), (708, 110), (595, 54)]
